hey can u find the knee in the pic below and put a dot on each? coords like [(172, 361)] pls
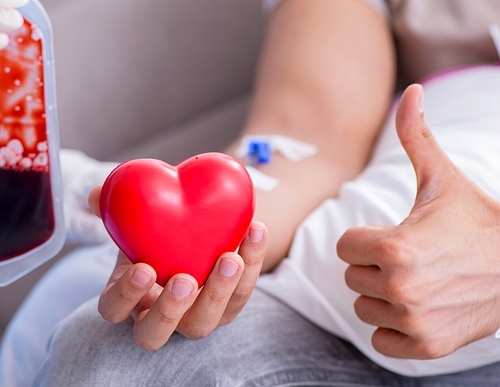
[(76, 351)]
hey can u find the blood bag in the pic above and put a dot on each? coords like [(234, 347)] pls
[(31, 221)]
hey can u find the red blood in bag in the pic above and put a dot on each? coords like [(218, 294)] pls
[(26, 218), (26, 211)]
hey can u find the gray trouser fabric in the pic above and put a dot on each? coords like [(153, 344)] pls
[(267, 345)]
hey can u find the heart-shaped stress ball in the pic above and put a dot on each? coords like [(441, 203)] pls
[(178, 219)]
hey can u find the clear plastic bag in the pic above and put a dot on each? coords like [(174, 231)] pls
[(31, 220)]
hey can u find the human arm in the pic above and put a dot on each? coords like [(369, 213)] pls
[(430, 285), (325, 77)]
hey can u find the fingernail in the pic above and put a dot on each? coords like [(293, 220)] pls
[(141, 277), (181, 288), (227, 267), (256, 234)]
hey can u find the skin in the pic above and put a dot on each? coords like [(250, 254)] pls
[(312, 84), (181, 306), (325, 77), (431, 284)]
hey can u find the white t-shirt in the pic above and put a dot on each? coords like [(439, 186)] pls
[(311, 279)]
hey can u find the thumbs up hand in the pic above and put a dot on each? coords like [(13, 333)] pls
[(431, 284)]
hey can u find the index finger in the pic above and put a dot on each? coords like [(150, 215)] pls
[(392, 343), (361, 246), (127, 288)]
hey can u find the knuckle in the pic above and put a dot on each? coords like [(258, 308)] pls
[(235, 306), (365, 314), (253, 259), (146, 344), (106, 314), (344, 244), (396, 251), (166, 316), (215, 296), (413, 325), (111, 318), (241, 295), (230, 313), (404, 290), (397, 290), (196, 331), (124, 295), (351, 277), (430, 349), (388, 248)]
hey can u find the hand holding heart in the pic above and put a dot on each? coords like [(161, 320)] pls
[(431, 284), (178, 219), (180, 305)]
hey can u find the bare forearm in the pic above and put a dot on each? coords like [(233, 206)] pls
[(325, 77)]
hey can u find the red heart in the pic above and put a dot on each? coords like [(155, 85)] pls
[(178, 219)]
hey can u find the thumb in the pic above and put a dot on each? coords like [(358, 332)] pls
[(430, 162), (94, 198)]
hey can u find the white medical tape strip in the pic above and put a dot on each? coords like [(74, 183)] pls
[(260, 180), (290, 148), (495, 35)]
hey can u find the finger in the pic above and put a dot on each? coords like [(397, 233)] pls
[(125, 290), (400, 334), (429, 161), (393, 343), (377, 312), (154, 327), (94, 196), (252, 250), (206, 312), (395, 335), (363, 246), (367, 281), (122, 265)]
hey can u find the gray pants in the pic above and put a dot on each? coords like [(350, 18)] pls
[(267, 345)]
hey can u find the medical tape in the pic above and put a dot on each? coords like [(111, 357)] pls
[(258, 149)]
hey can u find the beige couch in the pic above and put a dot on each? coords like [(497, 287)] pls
[(149, 78)]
